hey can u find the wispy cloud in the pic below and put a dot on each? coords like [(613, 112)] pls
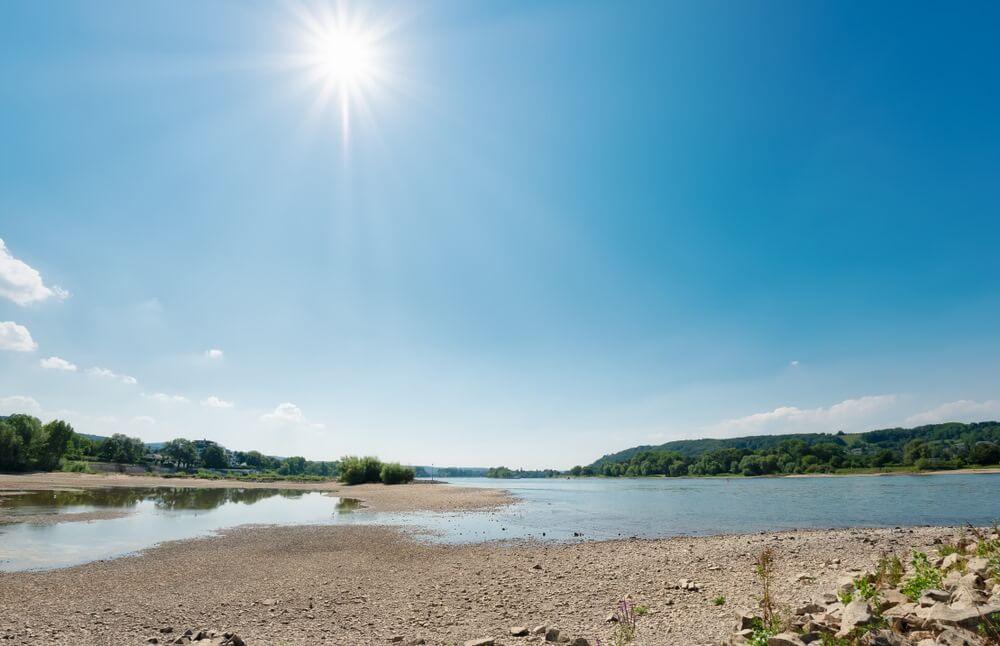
[(213, 353), (850, 414), (962, 410), (108, 374), (215, 402), (143, 419), (19, 404), (289, 413), (16, 338), (57, 363), (165, 398), (22, 283)]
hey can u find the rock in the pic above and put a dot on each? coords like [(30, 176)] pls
[(479, 642), (951, 579), (580, 641), (234, 640), (804, 576), (270, 602), (396, 639), (828, 598), (892, 598), (855, 613), (539, 630), (552, 635), (951, 637), (416, 642), (744, 621), (966, 597), (932, 596), (845, 585), (810, 609), (611, 619), (978, 565), (951, 561), (963, 617), (518, 631), (152, 640), (785, 639), (166, 630), (971, 581)]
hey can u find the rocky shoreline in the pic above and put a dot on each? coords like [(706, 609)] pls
[(377, 585)]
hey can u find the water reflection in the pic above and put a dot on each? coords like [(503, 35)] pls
[(121, 498), (347, 505)]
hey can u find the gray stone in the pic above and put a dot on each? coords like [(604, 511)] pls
[(785, 639), (964, 617), (855, 613), (951, 560), (518, 631), (552, 635), (972, 581), (539, 630), (951, 637), (579, 641), (479, 642), (978, 565)]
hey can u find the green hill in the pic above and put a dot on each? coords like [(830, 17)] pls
[(935, 446)]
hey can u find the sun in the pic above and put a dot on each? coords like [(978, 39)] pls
[(342, 55), (346, 59)]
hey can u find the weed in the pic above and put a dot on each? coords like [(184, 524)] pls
[(626, 627), (641, 611), (845, 597), (765, 574), (826, 639), (763, 631), (925, 577), (719, 600), (989, 629), (888, 572)]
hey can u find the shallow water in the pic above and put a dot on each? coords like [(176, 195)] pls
[(553, 509)]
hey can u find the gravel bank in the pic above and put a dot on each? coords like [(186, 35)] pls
[(417, 496), (367, 585)]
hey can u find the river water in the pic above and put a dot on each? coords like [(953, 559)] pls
[(549, 510)]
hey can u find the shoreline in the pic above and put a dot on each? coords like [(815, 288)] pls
[(364, 584)]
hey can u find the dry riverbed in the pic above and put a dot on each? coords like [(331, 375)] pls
[(355, 585)]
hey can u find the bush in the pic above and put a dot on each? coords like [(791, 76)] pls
[(395, 473), (354, 470)]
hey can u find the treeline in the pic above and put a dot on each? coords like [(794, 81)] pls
[(504, 472), (26, 444), (938, 446)]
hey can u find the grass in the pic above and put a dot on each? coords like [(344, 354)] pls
[(719, 600)]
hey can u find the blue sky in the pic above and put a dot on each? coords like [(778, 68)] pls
[(547, 230)]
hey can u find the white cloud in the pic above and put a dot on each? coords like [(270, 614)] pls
[(794, 363), (213, 353), (55, 363), (143, 419), (107, 374), (850, 414), (16, 338), (19, 404), (21, 283), (288, 413), (963, 410), (215, 402), (167, 399)]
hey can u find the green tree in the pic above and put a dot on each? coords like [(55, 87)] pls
[(122, 449), (394, 473), (49, 448), (213, 456), (181, 452), (13, 452), (293, 466)]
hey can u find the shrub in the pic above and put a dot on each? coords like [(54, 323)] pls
[(925, 577), (353, 470), (77, 467), (395, 473)]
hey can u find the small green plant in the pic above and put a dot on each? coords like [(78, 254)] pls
[(826, 639), (947, 549), (764, 568), (989, 629), (845, 596), (925, 577), (762, 631), (888, 572), (719, 600), (641, 611), (625, 628)]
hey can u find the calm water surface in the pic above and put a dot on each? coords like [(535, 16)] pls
[(554, 509)]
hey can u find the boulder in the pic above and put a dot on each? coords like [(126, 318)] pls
[(978, 565), (971, 581), (951, 637), (951, 579), (552, 635), (967, 597), (856, 613), (785, 639), (951, 561), (968, 618)]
